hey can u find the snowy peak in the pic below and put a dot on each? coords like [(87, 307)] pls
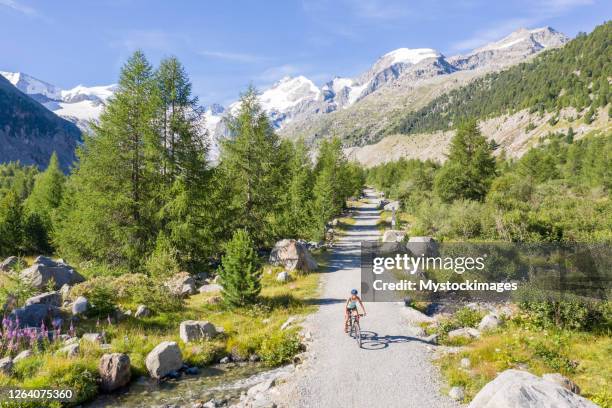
[(289, 92), (93, 93), (32, 86), (538, 38), (408, 56)]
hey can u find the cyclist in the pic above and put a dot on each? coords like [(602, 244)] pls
[(351, 307)]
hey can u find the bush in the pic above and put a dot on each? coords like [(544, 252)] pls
[(240, 271), (571, 314), (279, 348)]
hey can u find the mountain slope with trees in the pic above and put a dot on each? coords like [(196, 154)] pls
[(576, 75), (30, 132)]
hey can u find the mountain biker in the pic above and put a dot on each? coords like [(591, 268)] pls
[(351, 307)]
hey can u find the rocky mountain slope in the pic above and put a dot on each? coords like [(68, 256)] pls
[(30, 133)]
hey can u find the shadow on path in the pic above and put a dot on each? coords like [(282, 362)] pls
[(372, 341)]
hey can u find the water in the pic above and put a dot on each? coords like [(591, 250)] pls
[(224, 382)]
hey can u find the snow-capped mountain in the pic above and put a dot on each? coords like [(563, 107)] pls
[(515, 47), (80, 105)]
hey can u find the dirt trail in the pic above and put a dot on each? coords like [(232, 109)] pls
[(393, 369)]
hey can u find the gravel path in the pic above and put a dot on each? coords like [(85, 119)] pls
[(393, 369)]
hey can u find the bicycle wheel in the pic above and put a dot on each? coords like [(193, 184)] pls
[(358, 334)]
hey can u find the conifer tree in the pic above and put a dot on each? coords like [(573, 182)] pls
[(240, 271), (11, 224), (111, 216), (46, 195), (470, 167)]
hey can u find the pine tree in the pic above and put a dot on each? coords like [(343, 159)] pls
[(470, 167), (11, 225), (240, 271), (250, 165), (47, 193), (111, 215)]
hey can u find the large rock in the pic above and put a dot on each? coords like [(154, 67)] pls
[(6, 366), (93, 337), (562, 381), (70, 350), (80, 305), (520, 389), (48, 298), (464, 332), (142, 311), (292, 255), (163, 359), (23, 355), (114, 371), (33, 315), (45, 260), (282, 276), (8, 264), (39, 275), (182, 284), (393, 236), (489, 322), (195, 330)]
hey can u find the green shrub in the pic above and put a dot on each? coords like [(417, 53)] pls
[(568, 313), (279, 348)]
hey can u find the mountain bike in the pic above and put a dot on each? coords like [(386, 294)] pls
[(355, 328)]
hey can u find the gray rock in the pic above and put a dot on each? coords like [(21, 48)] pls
[(39, 275), (288, 322), (80, 305), (182, 284), (23, 355), (465, 363), (33, 315), (6, 366), (114, 371), (65, 292), (489, 322), (253, 358), (48, 298), (562, 381), (466, 332), (457, 393), (92, 338), (282, 276), (426, 246), (45, 260), (293, 255), (521, 389), (8, 264), (71, 350), (393, 236), (213, 287), (142, 311), (225, 360), (392, 205), (163, 359), (195, 330), (71, 340)]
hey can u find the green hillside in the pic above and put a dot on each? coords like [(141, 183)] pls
[(573, 76)]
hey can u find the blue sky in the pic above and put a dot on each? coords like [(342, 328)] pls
[(226, 45)]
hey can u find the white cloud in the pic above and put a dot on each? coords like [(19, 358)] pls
[(19, 7), (233, 56)]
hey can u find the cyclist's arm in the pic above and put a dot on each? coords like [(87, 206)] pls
[(362, 307)]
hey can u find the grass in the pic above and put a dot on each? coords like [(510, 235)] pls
[(582, 357), (404, 220), (246, 331)]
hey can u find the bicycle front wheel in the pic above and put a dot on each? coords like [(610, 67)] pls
[(358, 334)]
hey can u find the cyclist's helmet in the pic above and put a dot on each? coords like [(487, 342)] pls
[(354, 292)]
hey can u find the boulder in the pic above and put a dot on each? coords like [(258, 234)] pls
[(39, 275), (465, 363), (465, 332), (6, 366), (142, 311), (114, 371), (562, 381), (392, 205), (457, 393), (71, 350), (23, 355), (282, 277), (48, 298), (419, 246), (225, 360), (92, 338), (292, 255), (195, 330), (163, 359), (489, 322), (45, 260), (393, 236), (182, 284), (213, 287), (80, 305), (33, 315), (521, 389), (8, 264)]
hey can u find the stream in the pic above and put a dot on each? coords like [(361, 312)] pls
[(221, 382)]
